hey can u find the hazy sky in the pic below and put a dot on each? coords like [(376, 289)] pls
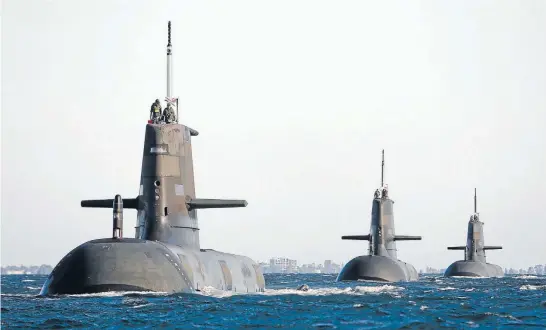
[(294, 101)]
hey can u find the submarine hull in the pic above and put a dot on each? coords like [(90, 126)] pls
[(377, 268), (473, 269), (131, 264)]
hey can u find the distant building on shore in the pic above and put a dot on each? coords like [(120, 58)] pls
[(286, 265), (534, 270), (431, 270), (283, 265)]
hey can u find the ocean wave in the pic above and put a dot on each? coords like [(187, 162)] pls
[(532, 287), (143, 305), (357, 290), (114, 294), (18, 295), (86, 295), (447, 288)]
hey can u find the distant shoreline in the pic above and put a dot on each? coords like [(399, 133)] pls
[(26, 270)]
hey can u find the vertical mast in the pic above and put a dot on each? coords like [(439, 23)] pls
[(475, 202), (382, 165), (170, 100), (169, 67)]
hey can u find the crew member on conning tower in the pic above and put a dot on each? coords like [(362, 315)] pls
[(155, 111), (385, 193), (168, 114)]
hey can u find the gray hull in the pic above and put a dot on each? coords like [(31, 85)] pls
[(141, 265), (473, 269), (377, 268)]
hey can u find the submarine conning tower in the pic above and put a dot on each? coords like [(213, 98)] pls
[(475, 244), (166, 204), (382, 238)]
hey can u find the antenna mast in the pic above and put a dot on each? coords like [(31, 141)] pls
[(169, 98), (169, 53), (382, 165), (475, 202)]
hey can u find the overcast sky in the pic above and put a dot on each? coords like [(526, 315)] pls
[(294, 101)]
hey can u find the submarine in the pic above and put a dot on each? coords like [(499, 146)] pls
[(381, 263), (165, 255), (474, 263)]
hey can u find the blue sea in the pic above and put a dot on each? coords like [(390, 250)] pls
[(433, 302)]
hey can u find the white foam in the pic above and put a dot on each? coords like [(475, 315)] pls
[(449, 288), (17, 295), (378, 289), (209, 291), (117, 294), (358, 290), (523, 277), (212, 292), (28, 281), (532, 287), (370, 281), (143, 305)]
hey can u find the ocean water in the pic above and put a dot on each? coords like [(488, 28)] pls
[(433, 302)]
